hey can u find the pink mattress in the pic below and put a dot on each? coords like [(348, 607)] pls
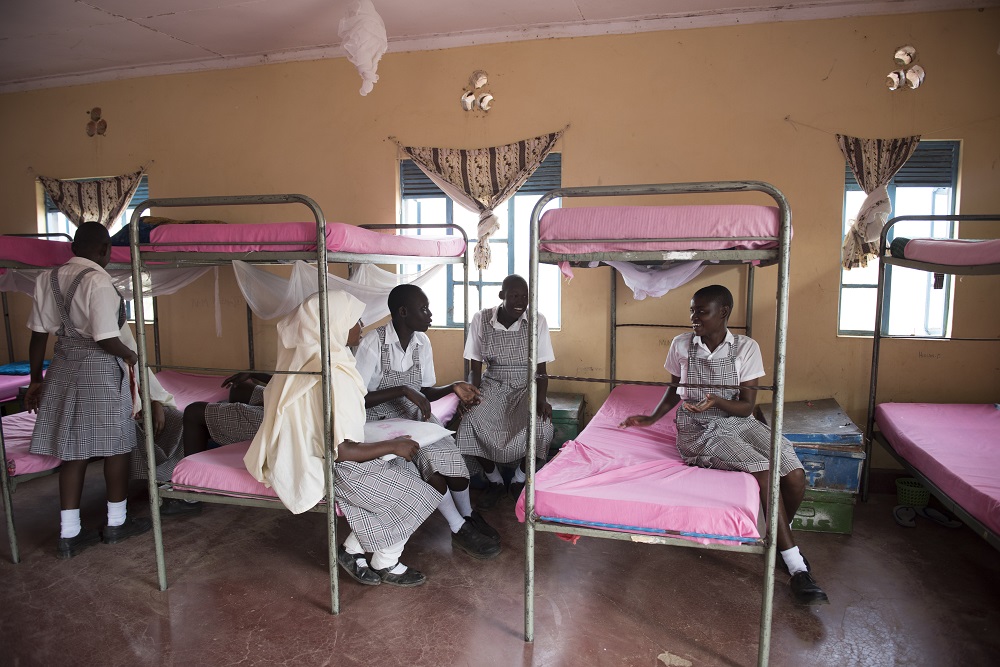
[(635, 477), (955, 446), (953, 252), (9, 385), (17, 428), (637, 222), (244, 238), (340, 237)]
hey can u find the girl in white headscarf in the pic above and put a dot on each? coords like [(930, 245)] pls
[(384, 501)]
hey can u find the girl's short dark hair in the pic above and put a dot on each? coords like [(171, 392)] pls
[(717, 293)]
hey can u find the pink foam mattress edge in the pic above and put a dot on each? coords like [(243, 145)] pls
[(636, 222), (340, 237), (953, 252), (17, 428), (955, 446), (636, 477), (44, 252)]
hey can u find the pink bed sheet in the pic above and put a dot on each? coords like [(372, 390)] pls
[(9, 385), (44, 252), (636, 222), (953, 252), (955, 446), (636, 477), (17, 428)]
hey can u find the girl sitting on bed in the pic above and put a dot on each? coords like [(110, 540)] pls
[(716, 430), (384, 501)]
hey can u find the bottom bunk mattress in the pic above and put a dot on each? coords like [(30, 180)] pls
[(17, 428), (634, 479), (11, 384), (957, 447)]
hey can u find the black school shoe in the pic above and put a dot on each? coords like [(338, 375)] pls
[(178, 507), (479, 523), (359, 573), (407, 579), (806, 591), (67, 547), (515, 490), (474, 543), (489, 499), (133, 526)]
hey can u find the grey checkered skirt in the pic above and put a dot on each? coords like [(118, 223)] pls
[(86, 404), (229, 423), (384, 501), (730, 443), (168, 447)]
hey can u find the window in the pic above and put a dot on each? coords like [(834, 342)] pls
[(925, 185), (55, 222), (423, 203)]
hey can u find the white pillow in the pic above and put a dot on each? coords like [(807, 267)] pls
[(424, 433)]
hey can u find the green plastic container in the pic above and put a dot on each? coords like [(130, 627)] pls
[(826, 512), (911, 492), (567, 418)]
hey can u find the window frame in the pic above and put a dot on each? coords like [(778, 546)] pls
[(414, 184), (926, 168)]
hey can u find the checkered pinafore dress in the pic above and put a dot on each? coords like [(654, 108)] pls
[(716, 439), (497, 428), (383, 501), (229, 423), (86, 404), (168, 447), (442, 456)]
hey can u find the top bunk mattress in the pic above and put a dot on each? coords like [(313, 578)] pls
[(269, 237), (950, 252), (635, 477), (955, 446), (718, 227)]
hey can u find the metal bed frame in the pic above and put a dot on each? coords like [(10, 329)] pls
[(323, 257), (779, 255), (871, 434)]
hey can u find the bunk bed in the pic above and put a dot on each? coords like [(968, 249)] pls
[(953, 449), (317, 241), (566, 497)]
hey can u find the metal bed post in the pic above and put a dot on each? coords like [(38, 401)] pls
[(748, 304), (250, 350), (781, 324), (324, 357), (614, 326), (8, 496), (156, 331), (873, 381), (6, 325)]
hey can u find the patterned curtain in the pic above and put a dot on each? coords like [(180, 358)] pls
[(102, 200), (480, 179), (873, 162)]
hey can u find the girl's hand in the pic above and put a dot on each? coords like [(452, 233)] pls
[(544, 409), (405, 448), (710, 401), (467, 393), (33, 396), (420, 401), (637, 420)]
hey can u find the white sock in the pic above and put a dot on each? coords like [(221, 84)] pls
[(450, 512), (494, 476), (462, 501), (793, 559), (518, 475), (399, 569), (69, 523), (116, 513), (352, 546)]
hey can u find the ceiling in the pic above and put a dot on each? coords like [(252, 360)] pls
[(49, 43)]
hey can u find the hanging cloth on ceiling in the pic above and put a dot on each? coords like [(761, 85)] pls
[(363, 36), (873, 162), (100, 199), (481, 179)]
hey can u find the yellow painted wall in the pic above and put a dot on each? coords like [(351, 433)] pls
[(747, 102)]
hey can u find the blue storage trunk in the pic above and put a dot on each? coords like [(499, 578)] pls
[(829, 444)]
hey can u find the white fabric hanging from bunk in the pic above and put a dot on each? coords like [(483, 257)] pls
[(159, 281), (647, 281), (270, 296)]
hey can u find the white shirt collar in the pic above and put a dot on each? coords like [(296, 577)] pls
[(83, 261), (392, 338), (728, 339), (516, 324)]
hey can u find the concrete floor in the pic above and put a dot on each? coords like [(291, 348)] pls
[(249, 587)]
